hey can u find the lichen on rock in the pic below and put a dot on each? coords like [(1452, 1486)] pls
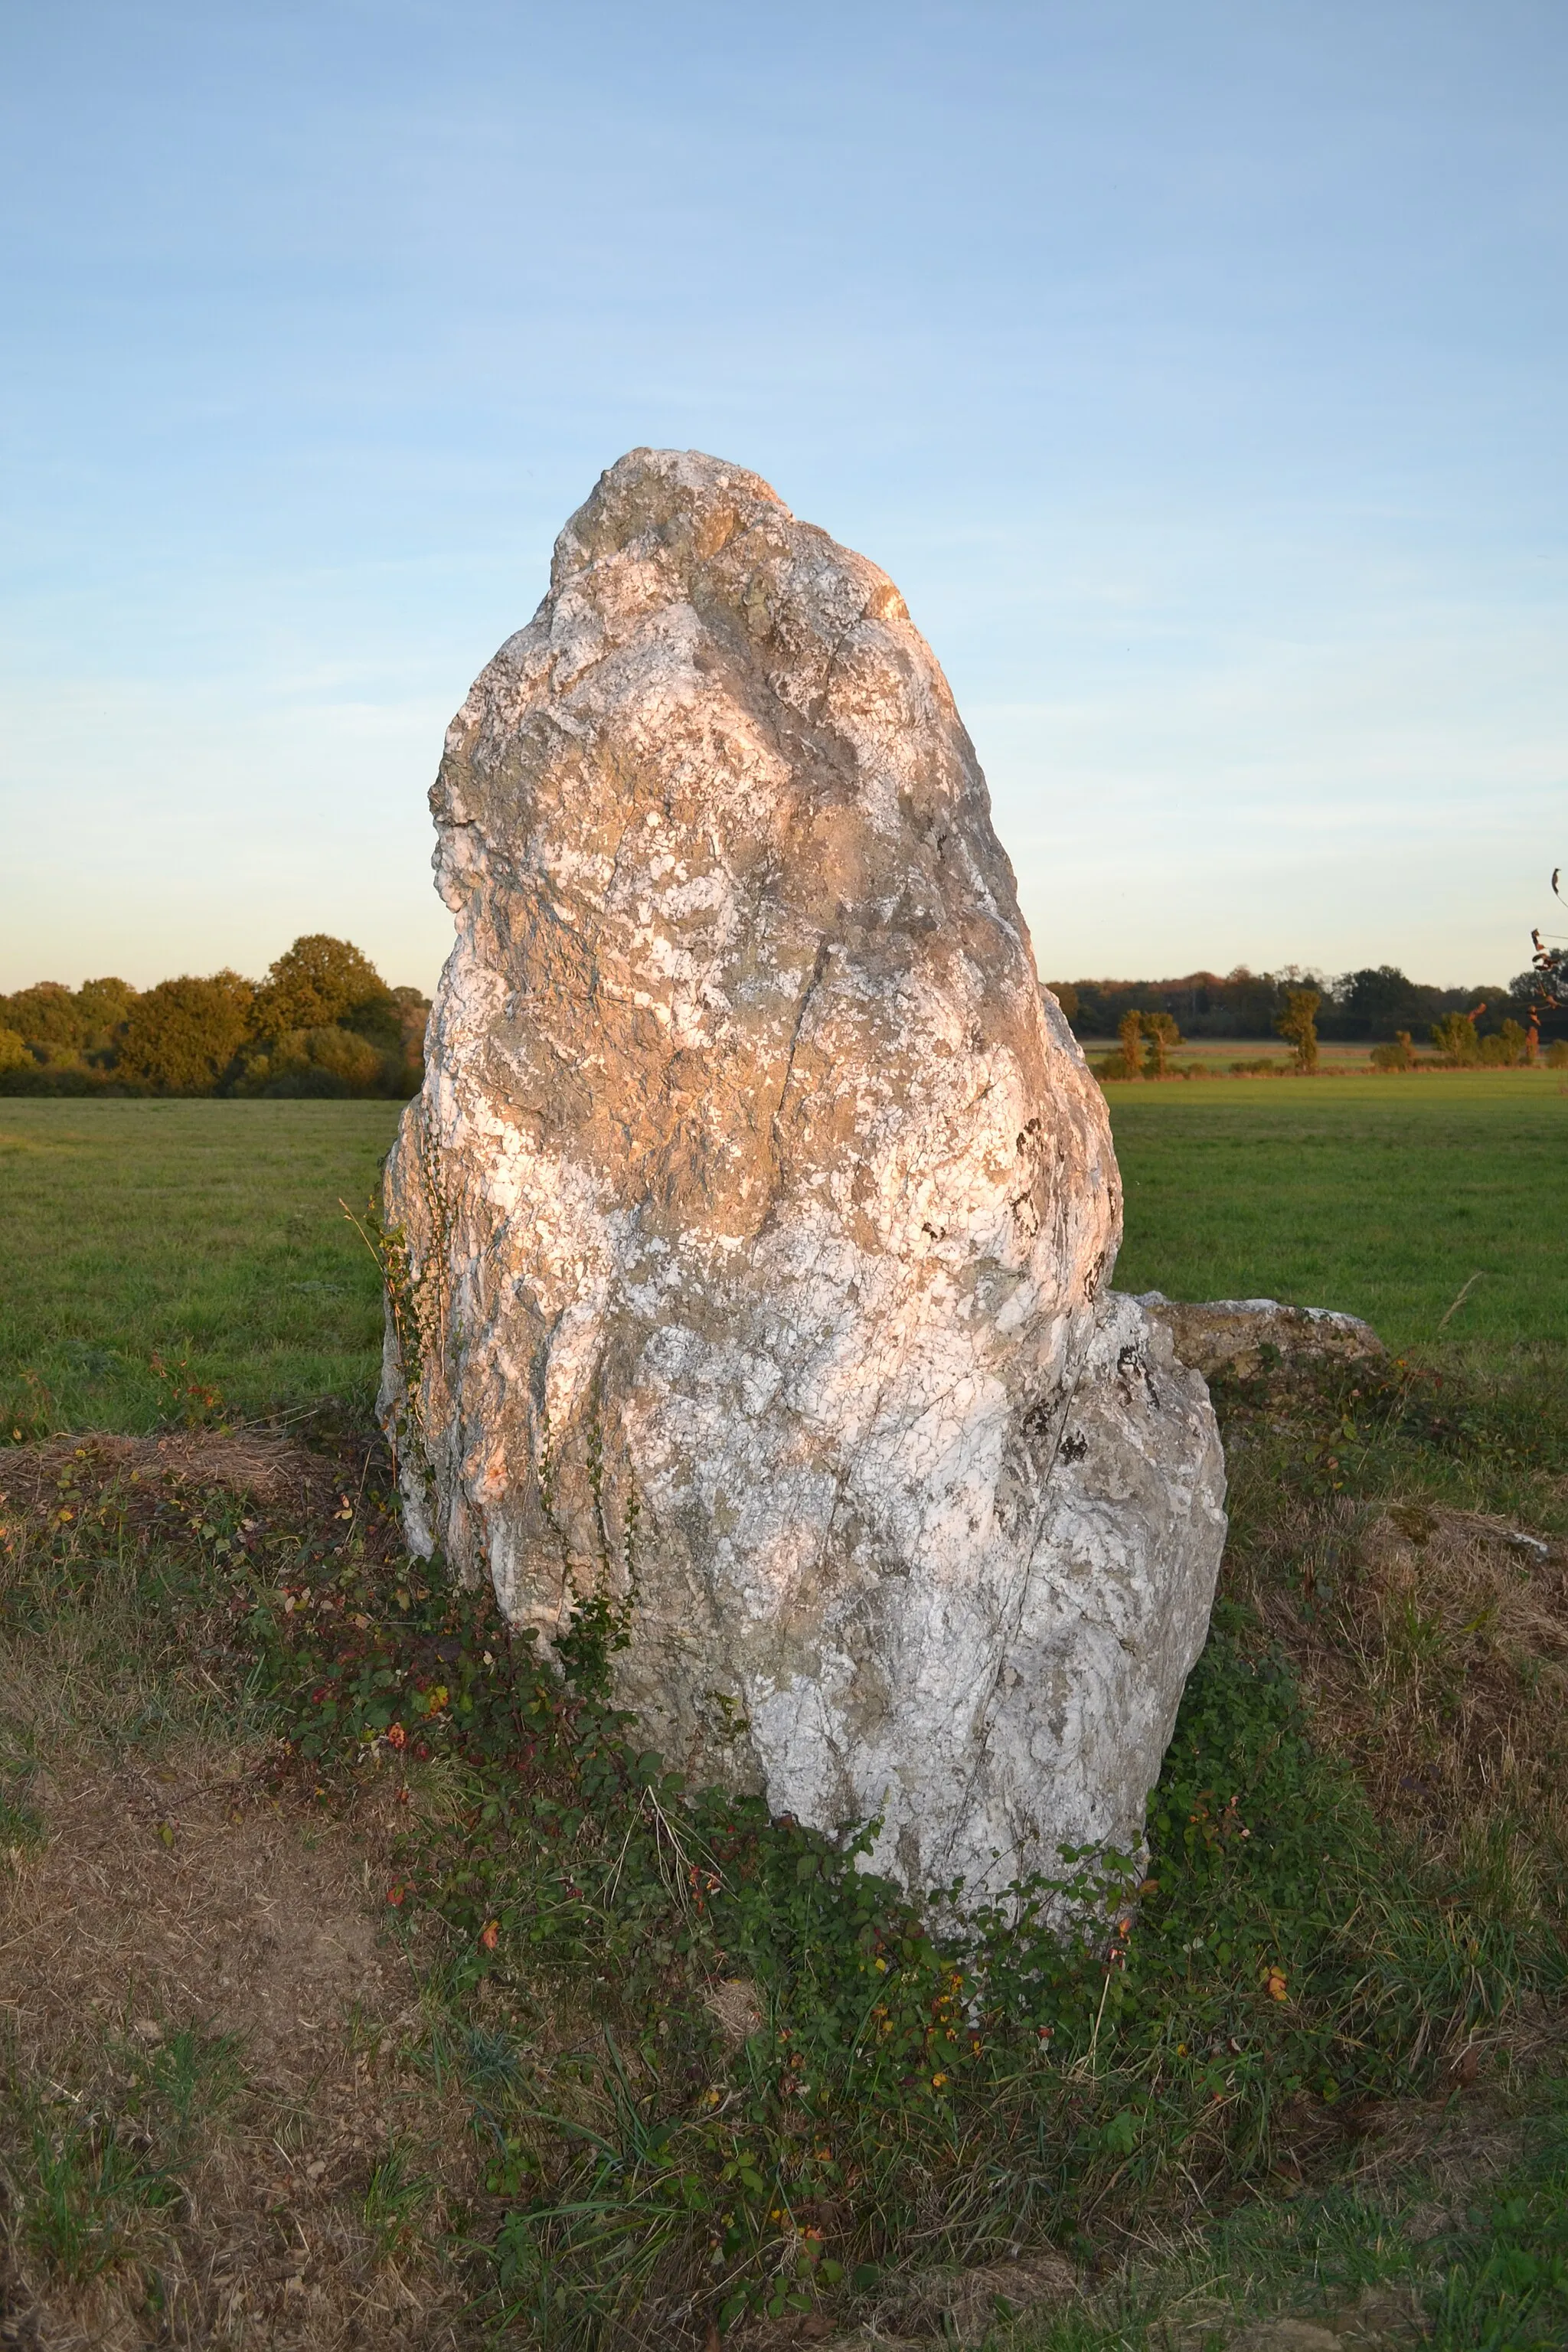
[(755, 1197)]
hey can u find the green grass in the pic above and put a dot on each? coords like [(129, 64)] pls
[(200, 1232), (1380, 1196), (914, 2093), (209, 1233), (84, 2173)]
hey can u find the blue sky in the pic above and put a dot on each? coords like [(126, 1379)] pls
[(1200, 374)]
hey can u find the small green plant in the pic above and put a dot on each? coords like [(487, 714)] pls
[(23, 1830), (189, 1402), (397, 2199)]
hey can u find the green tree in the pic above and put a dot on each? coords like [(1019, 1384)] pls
[(325, 1061), (1455, 1039), (1298, 1025), (1506, 1047), (322, 983), (414, 1012), (1163, 1034), (103, 1005), (181, 1037), (13, 1053), (48, 1017), (1399, 1055), (62, 1027), (1370, 1003), (1130, 1030)]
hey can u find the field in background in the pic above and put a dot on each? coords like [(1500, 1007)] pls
[(210, 1234), (1215, 1054), (201, 1230), (1378, 1196)]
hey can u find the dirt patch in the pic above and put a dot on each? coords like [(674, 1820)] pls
[(181, 1917), (967, 2304), (179, 1892), (183, 1895)]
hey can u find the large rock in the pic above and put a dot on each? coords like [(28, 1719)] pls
[(754, 1195)]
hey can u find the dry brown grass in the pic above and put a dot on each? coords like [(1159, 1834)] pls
[(1432, 1647), (173, 1881), (268, 1468)]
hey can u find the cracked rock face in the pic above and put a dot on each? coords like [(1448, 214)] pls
[(758, 1212)]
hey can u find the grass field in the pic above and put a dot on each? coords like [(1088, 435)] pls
[(206, 1233), (361, 1982), (1215, 1054), (1380, 1196), (210, 1234)]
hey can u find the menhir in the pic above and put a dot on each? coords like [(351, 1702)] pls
[(758, 1199)]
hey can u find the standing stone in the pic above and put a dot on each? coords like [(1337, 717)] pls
[(757, 1202)]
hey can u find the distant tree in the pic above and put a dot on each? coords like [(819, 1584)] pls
[(48, 1018), (1298, 1025), (1455, 1039), (1130, 1030), (322, 983), (1506, 1047), (182, 1037), (1066, 995), (325, 1061), (1399, 1055), (414, 1015), (13, 1053), (62, 1027), (103, 1005), (1372, 1002), (1163, 1034)]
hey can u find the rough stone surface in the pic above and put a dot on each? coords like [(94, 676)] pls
[(1229, 1335), (752, 1185)]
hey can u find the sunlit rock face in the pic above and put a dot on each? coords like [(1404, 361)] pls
[(758, 1203)]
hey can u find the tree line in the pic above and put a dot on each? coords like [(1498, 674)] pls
[(1145, 1041), (322, 1022), (1376, 1004)]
